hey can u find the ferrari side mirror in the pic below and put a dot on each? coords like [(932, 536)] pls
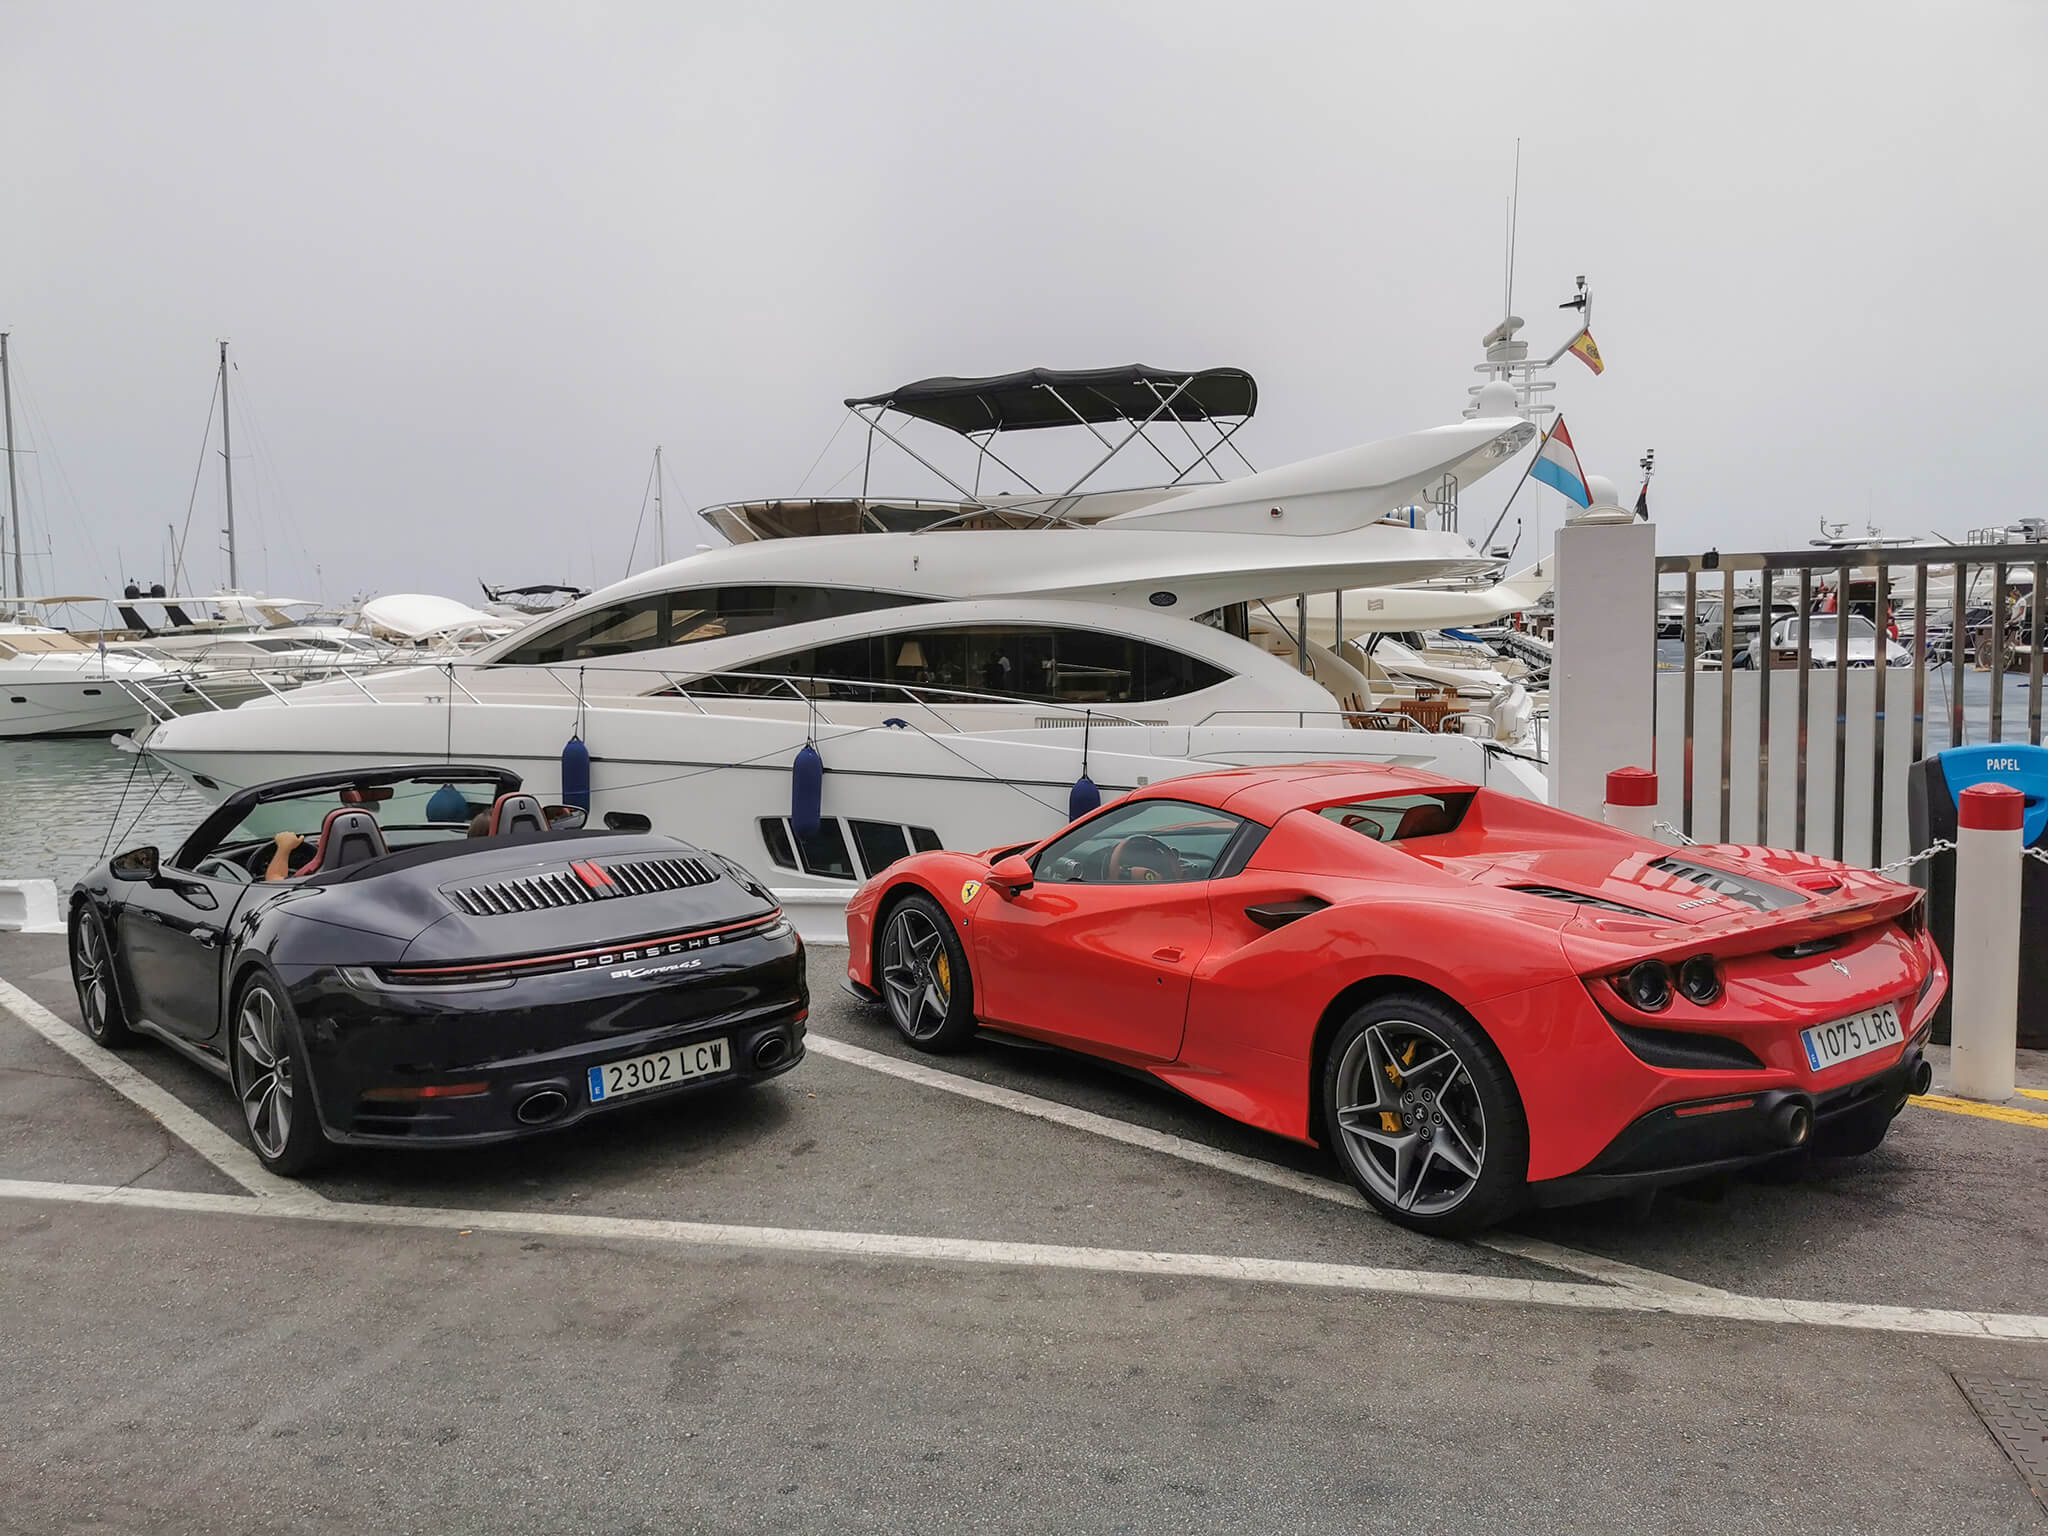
[(135, 864), (565, 818), (1011, 875)]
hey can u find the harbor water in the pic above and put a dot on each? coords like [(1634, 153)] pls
[(69, 803)]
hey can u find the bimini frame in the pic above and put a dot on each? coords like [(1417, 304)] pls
[(1137, 397)]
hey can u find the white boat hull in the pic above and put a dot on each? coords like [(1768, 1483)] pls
[(713, 779), (66, 706)]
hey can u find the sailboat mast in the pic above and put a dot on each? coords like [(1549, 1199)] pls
[(13, 495), (227, 469), (660, 522)]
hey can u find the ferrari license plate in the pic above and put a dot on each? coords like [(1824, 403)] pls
[(1829, 1045), (616, 1079)]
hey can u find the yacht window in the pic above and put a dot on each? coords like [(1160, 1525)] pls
[(822, 853), (881, 844), (776, 836), (661, 619), (1040, 663)]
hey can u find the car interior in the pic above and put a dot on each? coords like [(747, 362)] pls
[(1158, 842), (350, 826)]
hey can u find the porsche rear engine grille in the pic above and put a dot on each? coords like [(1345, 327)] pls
[(584, 880)]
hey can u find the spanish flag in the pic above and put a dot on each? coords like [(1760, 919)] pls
[(1587, 351)]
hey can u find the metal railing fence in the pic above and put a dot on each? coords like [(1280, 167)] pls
[(1869, 580)]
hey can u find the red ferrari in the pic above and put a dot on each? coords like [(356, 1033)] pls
[(1473, 1000)]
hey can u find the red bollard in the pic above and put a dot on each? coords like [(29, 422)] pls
[(1631, 801)]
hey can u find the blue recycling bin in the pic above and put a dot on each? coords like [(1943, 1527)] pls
[(1932, 785)]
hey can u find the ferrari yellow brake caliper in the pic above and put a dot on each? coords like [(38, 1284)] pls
[(944, 971), (1390, 1119), (1407, 1060)]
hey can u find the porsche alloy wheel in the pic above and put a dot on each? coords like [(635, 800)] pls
[(270, 1081), (92, 973), (923, 971), (1424, 1116)]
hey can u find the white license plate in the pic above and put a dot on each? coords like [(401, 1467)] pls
[(616, 1079), (1829, 1045)]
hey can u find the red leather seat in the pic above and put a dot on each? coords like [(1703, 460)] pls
[(349, 835)]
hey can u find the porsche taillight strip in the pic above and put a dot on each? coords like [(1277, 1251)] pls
[(577, 959)]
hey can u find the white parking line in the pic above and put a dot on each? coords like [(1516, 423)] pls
[(1535, 1250), (187, 1124), (1430, 1285)]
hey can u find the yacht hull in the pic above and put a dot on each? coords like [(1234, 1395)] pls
[(724, 781), (70, 706)]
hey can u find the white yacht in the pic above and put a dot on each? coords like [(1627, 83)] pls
[(957, 680), (55, 684)]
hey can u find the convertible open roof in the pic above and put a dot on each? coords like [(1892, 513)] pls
[(1056, 397)]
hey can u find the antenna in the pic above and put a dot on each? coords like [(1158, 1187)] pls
[(1514, 218)]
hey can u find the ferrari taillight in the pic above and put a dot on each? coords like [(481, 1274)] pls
[(1913, 921), (1647, 986)]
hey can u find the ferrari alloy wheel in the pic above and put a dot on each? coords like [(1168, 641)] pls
[(1423, 1114), (92, 973), (923, 971), (267, 1064)]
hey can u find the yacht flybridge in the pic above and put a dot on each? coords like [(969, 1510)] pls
[(960, 665)]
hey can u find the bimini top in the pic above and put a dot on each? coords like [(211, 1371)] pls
[(1053, 397)]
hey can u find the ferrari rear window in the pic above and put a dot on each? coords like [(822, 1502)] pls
[(1394, 818)]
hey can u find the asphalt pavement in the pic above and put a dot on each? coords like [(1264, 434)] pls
[(1033, 1295)]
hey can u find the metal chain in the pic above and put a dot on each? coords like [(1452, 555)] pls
[(1665, 826), (1939, 845), (2036, 853)]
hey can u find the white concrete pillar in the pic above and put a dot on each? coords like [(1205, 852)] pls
[(1631, 801), (1604, 665), (1986, 971)]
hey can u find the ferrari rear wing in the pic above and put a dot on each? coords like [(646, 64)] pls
[(1596, 942)]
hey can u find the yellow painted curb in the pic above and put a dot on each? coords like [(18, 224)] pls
[(1984, 1111)]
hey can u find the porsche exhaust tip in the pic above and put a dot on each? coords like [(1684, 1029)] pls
[(1923, 1077), (771, 1052), (1792, 1123), (539, 1108)]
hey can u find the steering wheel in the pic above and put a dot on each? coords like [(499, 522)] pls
[(225, 869), (1144, 860)]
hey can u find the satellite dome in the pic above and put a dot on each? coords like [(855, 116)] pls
[(1497, 398)]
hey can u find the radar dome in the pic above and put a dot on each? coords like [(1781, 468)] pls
[(1496, 398), (1602, 491)]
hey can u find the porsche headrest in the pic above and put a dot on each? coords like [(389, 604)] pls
[(348, 836), (516, 813)]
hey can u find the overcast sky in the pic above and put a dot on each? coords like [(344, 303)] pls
[(476, 261)]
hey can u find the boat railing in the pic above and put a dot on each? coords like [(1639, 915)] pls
[(924, 705), (817, 694)]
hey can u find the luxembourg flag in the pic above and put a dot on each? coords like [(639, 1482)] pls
[(1557, 465)]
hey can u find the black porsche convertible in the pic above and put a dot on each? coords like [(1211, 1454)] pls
[(427, 955)]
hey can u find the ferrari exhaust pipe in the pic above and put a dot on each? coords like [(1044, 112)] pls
[(1923, 1077), (538, 1108), (770, 1052), (1792, 1122)]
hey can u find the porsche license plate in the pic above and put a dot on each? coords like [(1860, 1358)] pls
[(616, 1079), (1829, 1045)]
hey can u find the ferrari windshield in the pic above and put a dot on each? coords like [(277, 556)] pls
[(440, 806)]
